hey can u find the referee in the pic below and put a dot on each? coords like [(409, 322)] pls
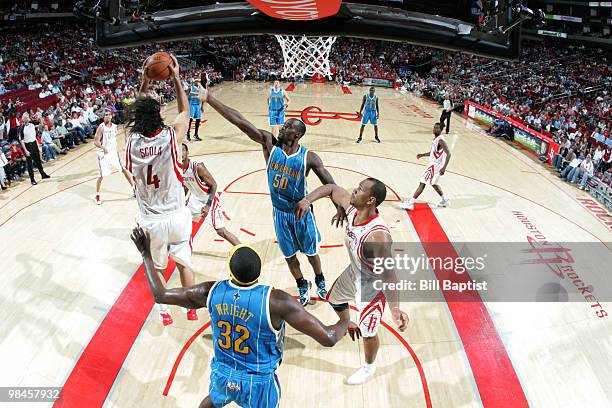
[(27, 137), (446, 113)]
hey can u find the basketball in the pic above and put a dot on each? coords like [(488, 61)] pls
[(158, 66)]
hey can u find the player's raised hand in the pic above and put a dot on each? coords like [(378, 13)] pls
[(140, 239), (339, 218), (301, 208), (400, 318), (353, 331), (144, 68), (174, 68)]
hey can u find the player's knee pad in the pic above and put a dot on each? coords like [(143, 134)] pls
[(339, 307)]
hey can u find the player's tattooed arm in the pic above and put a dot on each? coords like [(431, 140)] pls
[(285, 308), (181, 123), (448, 156), (144, 85), (193, 297)]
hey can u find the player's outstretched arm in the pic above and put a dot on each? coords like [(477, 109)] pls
[(237, 119), (193, 297), (144, 85), (316, 164), (339, 196), (284, 307), (182, 120)]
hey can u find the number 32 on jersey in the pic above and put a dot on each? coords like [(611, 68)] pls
[(226, 342)]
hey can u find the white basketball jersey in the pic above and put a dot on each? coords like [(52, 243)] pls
[(154, 163), (355, 237), (193, 183), (109, 137), (437, 155)]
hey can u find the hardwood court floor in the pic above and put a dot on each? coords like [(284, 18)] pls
[(76, 312)]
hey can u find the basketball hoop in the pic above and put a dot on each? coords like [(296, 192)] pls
[(306, 56)]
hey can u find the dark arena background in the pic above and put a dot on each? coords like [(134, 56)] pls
[(152, 256)]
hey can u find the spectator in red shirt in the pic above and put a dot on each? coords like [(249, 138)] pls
[(17, 163)]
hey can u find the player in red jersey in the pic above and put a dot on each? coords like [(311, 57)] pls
[(439, 156), (108, 156), (204, 201), (367, 238), (153, 158)]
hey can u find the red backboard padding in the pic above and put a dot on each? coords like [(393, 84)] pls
[(302, 10)]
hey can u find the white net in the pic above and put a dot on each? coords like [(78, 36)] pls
[(306, 56)]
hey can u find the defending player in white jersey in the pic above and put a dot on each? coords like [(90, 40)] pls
[(152, 156), (367, 238), (108, 156), (439, 156), (204, 201)]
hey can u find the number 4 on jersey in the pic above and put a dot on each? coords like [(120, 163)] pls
[(151, 178)]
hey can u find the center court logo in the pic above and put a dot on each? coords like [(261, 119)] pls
[(313, 115)]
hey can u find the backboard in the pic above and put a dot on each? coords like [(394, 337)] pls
[(473, 26)]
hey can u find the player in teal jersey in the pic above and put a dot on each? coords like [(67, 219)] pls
[(369, 112), (288, 165), (278, 100), (247, 321), (195, 107)]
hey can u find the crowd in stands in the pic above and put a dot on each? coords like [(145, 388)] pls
[(257, 58), (260, 58), (353, 59), (561, 92), (65, 92), (54, 73)]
